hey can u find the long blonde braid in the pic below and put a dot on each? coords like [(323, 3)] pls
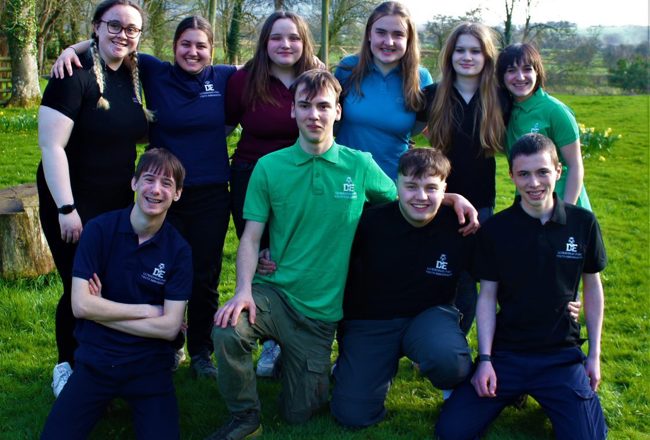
[(135, 77), (99, 75)]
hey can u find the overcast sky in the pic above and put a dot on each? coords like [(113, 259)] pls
[(582, 12)]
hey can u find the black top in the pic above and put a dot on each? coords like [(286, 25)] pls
[(101, 150), (398, 270), (472, 172), (538, 268)]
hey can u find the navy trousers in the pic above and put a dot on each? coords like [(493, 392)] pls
[(90, 389), (557, 380), (369, 354)]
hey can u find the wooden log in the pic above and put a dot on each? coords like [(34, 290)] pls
[(23, 249)]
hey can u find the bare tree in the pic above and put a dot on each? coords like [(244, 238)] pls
[(19, 26), (437, 30), (507, 23)]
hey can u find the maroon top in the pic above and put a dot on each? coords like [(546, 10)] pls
[(267, 128)]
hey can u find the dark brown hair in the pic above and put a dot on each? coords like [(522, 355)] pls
[(161, 161), (424, 162)]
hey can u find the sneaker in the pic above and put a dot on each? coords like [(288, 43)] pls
[(179, 358), (202, 367), (241, 425), (268, 361), (60, 375)]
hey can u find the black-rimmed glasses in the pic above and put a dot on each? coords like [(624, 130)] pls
[(115, 27)]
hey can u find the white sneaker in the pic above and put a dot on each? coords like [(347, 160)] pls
[(179, 358), (60, 375), (266, 364)]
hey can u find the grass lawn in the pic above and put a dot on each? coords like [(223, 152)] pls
[(619, 192)]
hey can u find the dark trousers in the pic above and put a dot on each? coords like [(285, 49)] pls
[(90, 389), (240, 174), (90, 202), (201, 216), (556, 379), (369, 354)]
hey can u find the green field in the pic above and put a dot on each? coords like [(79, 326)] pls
[(619, 191)]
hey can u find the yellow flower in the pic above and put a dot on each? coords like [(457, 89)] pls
[(602, 158)]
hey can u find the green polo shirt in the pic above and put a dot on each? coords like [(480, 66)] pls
[(544, 114), (312, 205)]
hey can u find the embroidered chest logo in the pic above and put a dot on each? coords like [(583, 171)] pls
[(441, 267), (535, 128), (157, 276), (348, 190), (571, 250), (209, 91)]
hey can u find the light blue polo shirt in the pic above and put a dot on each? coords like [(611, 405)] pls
[(377, 122)]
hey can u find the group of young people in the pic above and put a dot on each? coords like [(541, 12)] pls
[(397, 279)]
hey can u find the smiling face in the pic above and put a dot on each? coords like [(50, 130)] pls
[(155, 192), (193, 51), (420, 198), (388, 41), (468, 59), (284, 46), (520, 80), (535, 176), (113, 48), (315, 118)]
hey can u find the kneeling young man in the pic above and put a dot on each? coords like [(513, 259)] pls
[(406, 259), (132, 277), (531, 258)]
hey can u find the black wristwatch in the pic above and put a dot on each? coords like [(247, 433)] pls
[(66, 209), (483, 358)]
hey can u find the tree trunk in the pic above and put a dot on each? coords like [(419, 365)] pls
[(507, 24), (323, 54), (23, 248), (19, 25), (232, 41)]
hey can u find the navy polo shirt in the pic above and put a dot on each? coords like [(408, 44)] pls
[(131, 273), (538, 268), (398, 270), (190, 116)]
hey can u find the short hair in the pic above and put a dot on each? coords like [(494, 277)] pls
[(521, 53), (316, 80), (533, 143), (423, 162), (194, 22), (161, 161)]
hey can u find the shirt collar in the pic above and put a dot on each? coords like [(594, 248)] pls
[(124, 227), (559, 210), (395, 71), (300, 156), (531, 102)]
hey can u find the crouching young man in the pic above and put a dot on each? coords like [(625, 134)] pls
[(530, 260), (131, 279), (406, 259)]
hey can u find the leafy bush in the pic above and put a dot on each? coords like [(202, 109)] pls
[(631, 75), (594, 142)]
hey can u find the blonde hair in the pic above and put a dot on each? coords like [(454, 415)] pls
[(410, 62), (442, 117)]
